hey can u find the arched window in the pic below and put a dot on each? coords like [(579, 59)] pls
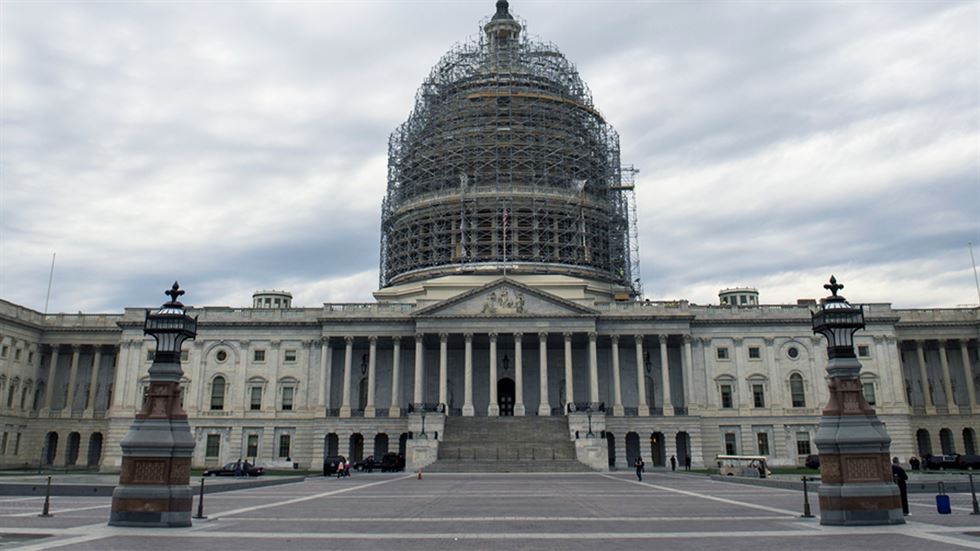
[(218, 393), (796, 391), (946, 442), (969, 441), (11, 394), (924, 443)]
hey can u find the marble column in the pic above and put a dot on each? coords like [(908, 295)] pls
[(617, 382), (885, 372), (241, 382), (927, 399), (119, 377), (687, 371), (49, 382), (443, 371), (895, 362), (968, 373), (468, 410), (345, 409), (569, 387), (417, 394), (947, 380), (325, 364), (665, 376), (494, 408), (643, 409), (395, 410), (369, 409), (544, 408), (518, 375), (76, 352), (93, 387), (593, 369)]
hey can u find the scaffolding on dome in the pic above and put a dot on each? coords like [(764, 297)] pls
[(505, 165)]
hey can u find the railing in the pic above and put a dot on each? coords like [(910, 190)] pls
[(368, 307), (586, 407), (426, 407)]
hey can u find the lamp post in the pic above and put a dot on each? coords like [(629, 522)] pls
[(856, 479), (154, 482), (589, 414)]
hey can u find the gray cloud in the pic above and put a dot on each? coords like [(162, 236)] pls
[(240, 146)]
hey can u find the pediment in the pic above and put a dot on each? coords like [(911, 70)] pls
[(505, 298)]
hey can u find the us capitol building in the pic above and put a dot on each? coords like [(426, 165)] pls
[(509, 329)]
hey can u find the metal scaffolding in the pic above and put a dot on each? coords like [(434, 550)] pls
[(505, 165)]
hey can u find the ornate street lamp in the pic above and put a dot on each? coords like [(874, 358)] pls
[(856, 479), (153, 488)]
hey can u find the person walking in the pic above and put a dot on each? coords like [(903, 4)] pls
[(347, 468), (340, 467), (687, 462), (673, 463), (639, 468), (900, 477)]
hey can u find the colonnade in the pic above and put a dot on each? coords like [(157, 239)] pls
[(494, 408), (928, 398), (74, 382)]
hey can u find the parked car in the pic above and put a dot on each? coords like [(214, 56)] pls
[(367, 464), (247, 469), (392, 462), (941, 462), (330, 463), (968, 461), (812, 461)]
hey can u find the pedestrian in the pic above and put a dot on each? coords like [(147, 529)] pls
[(673, 463), (914, 463), (340, 467), (347, 468), (238, 468), (687, 462), (639, 468), (900, 477)]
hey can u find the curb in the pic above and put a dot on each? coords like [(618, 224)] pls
[(104, 490)]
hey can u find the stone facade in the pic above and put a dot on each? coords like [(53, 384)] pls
[(291, 385)]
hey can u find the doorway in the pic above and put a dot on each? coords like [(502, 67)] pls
[(658, 451), (505, 397)]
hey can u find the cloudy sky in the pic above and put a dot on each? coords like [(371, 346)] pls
[(242, 145)]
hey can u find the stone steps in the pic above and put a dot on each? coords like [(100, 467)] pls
[(506, 444)]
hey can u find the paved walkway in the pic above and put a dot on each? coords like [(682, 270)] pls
[(534, 511)]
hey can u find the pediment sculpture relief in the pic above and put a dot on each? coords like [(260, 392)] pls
[(503, 303)]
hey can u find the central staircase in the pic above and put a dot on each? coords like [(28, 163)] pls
[(506, 445)]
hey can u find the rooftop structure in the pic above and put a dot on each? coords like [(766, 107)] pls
[(506, 167)]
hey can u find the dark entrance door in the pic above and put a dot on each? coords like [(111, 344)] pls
[(505, 397)]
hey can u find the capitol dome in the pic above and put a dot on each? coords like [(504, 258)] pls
[(505, 167)]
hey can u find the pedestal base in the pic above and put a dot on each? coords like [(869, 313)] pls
[(519, 410), (151, 506), (369, 411), (544, 410), (493, 410), (618, 410), (860, 505), (468, 410), (394, 411)]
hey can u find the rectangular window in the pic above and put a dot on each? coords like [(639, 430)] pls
[(730, 444), (759, 396), (17, 444), (17, 355), (30, 357), (803, 443), (149, 355), (252, 448), (258, 356), (256, 398), (869, 393), (289, 356), (284, 446), (4, 351), (863, 351), (183, 355), (287, 398), (762, 440), (754, 353), (3, 445), (742, 299), (722, 352), (213, 447), (726, 396)]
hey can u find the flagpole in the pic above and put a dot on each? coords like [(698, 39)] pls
[(47, 297)]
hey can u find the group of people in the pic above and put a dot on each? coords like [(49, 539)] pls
[(640, 465), (343, 468)]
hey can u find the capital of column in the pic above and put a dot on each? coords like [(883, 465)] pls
[(76, 348), (543, 336), (737, 341), (419, 337), (638, 339), (348, 340), (614, 338), (443, 337), (468, 337), (373, 340), (275, 343), (518, 337), (244, 343), (593, 336), (568, 336), (325, 339), (493, 337), (769, 341), (307, 342), (662, 339), (687, 338)]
